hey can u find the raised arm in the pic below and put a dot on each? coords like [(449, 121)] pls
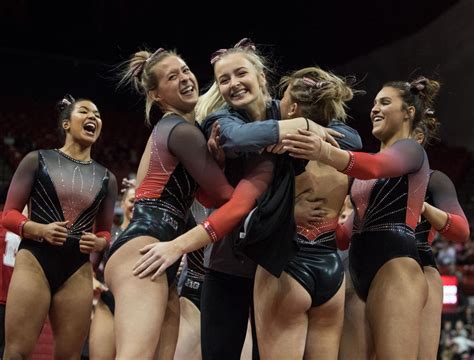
[(445, 214), (188, 144)]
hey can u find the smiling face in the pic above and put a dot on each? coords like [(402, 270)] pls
[(178, 89), (240, 84), (389, 116), (84, 124)]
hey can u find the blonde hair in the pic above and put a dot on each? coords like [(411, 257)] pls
[(139, 73), (212, 100), (320, 94)]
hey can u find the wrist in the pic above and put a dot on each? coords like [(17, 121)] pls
[(209, 230)]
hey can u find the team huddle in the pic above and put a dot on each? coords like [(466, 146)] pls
[(232, 243)]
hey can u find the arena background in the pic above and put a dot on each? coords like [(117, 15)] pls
[(48, 49)]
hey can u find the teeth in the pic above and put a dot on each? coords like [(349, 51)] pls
[(238, 93), (186, 89)]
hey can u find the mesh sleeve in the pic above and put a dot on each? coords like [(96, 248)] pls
[(445, 198), (404, 157), (188, 144), (105, 215), (19, 192)]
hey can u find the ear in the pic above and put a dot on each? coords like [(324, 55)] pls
[(262, 79), (293, 110), (411, 112), (420, 138), (154, 95), (66, 124)]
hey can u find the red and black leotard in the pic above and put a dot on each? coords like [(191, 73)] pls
[(179, 163), (388, 195), (441, 194), (58, 188)]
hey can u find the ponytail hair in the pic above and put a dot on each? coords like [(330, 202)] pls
[(321, 95), (138, 73), (419, 93)]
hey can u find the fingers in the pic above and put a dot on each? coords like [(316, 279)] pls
[(334, 133), (148, 267), (160, 271), (141, 261), (146, 248), (332, 141)]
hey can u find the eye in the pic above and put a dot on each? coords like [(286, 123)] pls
[(223, 81), (186, 70), (242, 73), (172, 77)]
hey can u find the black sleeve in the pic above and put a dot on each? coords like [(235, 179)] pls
[(188, 144)]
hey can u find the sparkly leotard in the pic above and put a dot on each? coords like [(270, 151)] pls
[(387, 194), (58, 188)]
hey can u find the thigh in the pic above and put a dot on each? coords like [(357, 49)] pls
[(140, 304), (27, 305), (101, 336), (325, 327), (70, 313), (431, 316), (394, 305), (189, 339), (225, 305)]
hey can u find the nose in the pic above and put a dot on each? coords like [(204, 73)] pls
[(375, 109), (234, 82)]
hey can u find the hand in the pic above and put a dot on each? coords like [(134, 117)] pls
[(309, 210), (129, 182), (305, 145), (98, 287), (55, 233), (157, 258), (214, 147), (89, 242), (423, 208), (276, 149), (325, 134)]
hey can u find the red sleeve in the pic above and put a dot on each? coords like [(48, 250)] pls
[(404, 157), (206, 200), (445, 198), (19, 193), (244, 198)]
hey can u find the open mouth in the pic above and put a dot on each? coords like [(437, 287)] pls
[(188, 90), (90, 128)]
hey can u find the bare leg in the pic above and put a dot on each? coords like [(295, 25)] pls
[(70, 314), (247, 349), (280, 311), (325, 328), (140, 304), (431, 316), (170, 328), (27, 306), (189, 339), (356, 340), (101, 336), (394, 306)]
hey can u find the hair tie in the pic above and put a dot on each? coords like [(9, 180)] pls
[(317, 84), (429, 112), (155, 54), (244, 44), (418, 86)]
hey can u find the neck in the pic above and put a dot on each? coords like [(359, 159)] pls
[(189, 117), (258, 109), (76, 151), (402, 134)]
